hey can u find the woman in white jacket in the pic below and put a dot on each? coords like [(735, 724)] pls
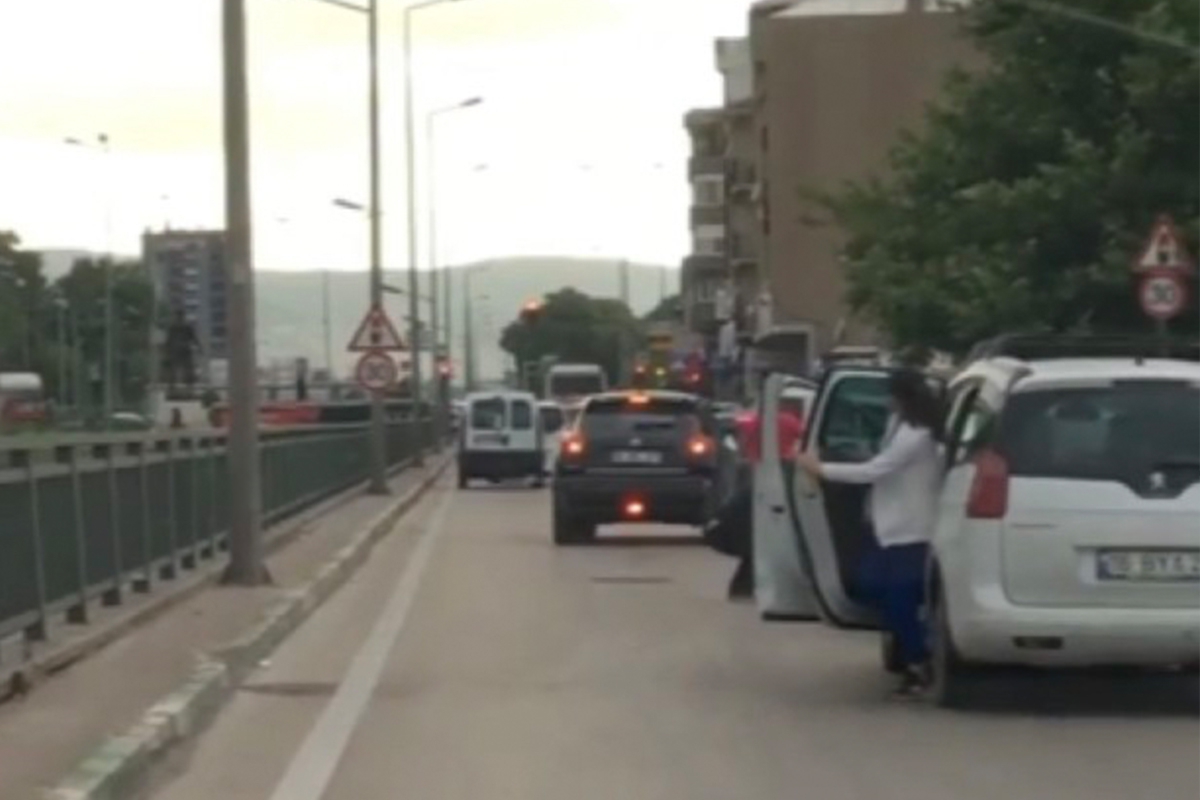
[(905, 478)]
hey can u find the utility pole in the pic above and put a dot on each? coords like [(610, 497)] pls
[(326, 322), (414, 287), (468, 333), (623, 371), (247, 566), (378, 482)]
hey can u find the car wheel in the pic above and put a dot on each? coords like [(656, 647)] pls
[(463, 479), (539, 482), (568, 530), (890, 654), (951, 678)]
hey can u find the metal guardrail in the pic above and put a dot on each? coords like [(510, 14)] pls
[(86, 520)]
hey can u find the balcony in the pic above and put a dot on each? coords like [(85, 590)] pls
[(707, 215), (706, 165), (704, 266)]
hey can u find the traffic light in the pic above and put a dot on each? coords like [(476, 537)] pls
[(531, 312), (639, 376)]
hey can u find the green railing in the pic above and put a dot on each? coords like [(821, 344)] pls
[(91, 519)]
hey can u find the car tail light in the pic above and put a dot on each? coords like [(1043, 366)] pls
[(633, 509), (700, 447), (573, 446), (989, 491)]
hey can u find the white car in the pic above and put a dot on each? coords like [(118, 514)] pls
[(1068, 532)]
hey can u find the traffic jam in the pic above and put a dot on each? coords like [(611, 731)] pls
[(1034, 508)]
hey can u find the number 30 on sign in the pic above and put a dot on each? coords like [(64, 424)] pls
[(376, 371)]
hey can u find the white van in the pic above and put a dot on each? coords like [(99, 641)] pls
[(501, 438)]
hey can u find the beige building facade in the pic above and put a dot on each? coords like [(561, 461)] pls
[(815, 97)]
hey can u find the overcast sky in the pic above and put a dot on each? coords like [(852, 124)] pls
[(580, 136)]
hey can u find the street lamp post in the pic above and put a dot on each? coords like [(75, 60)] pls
[(104, 143), (247, 562), (378, 430), (60, 308), (436, 322), (410, 169)]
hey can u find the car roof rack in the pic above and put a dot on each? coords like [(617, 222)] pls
[(1039, 347)]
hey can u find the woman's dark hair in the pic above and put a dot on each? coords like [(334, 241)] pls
[(916, 402)]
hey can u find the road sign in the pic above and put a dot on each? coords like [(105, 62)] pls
[(376, 332), (1163, 294), (1164, 250), (376, 371)]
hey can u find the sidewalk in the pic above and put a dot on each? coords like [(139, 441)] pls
[(62, 721)]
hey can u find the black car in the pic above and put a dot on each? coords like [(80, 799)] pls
[(638, 456)]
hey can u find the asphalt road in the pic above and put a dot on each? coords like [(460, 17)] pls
[(471, 659)]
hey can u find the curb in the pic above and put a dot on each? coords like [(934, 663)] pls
[(25, 677), (119, 767)]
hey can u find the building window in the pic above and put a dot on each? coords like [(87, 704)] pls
[(708, 246), (708, 192)]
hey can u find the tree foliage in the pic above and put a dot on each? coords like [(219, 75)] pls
[(1035, 179), (670, 309), (575, 328), (56, 329)]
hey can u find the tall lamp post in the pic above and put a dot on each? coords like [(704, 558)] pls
[(410, 169), (378, 434), (247, 564), (436, 322), (104, 144)]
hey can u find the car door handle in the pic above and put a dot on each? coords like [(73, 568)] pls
[(777, 509)]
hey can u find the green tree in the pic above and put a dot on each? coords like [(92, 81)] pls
[(133, 304), (669, 310), (573, 327), (22, 295), (1035, 180)]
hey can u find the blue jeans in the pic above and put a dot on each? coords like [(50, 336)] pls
[(893, 580)]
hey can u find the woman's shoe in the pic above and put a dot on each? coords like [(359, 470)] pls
[(913, 683)]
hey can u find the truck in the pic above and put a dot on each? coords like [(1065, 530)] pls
[(569, 384)]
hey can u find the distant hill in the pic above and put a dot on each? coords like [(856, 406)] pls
[(290, 303)]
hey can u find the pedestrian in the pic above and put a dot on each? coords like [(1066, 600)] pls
[(904, 477)]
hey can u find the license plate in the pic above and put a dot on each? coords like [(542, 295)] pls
[(490, 438), (636, 457), (1148, 565)]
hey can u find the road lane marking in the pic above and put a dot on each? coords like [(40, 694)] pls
[(311, 769)]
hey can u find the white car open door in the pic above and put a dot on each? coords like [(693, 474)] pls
[(782, 588), (850, 417)]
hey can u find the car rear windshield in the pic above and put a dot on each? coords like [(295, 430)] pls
[(1121, 432), (622, 418), (488, 415)]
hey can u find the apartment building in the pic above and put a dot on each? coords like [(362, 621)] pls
[(834, 83), (720, 277), (188, 270), (705, 270)]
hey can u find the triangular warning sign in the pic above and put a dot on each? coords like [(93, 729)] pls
[(1164, 249), (376, 332)]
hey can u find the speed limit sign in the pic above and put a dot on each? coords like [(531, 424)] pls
[(1162, 294), (376, 371)]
